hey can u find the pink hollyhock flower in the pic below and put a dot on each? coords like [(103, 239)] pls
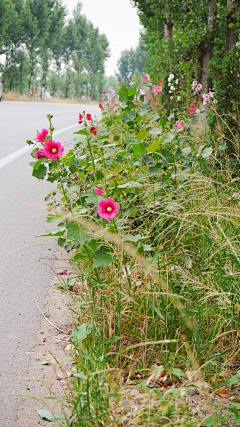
[(107, 208), (152, 103), (211, 107), (63, 273), (39, 154), (103, 92), (93, 130), (159, 89), (40, 137), (193, 107), (160, 81), (110, 89), (88, 117), (179, 125), (194, 83), (99, 191), (100, 106), (113, 176), (146, 78), (53, 149), (80, 118), (199, 86), (154, 93)]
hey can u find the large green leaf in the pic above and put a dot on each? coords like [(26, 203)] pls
[(40, 172), (154, 146), (137, 148), (76, 232), (81, 332), (103, 257), (123, 94), (142, 135)]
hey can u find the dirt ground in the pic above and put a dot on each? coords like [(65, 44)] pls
[(50, 344)]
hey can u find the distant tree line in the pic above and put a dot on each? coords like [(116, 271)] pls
[(43, 49)]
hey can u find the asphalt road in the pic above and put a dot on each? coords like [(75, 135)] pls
[(25, 274)]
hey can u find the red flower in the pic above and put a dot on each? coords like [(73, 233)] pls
[(99, 191), (53, 149), (93, 130), (88, 117), (100, 106), (107, 208), (39, 154), (80, 118), (103, 92), (40, 137)]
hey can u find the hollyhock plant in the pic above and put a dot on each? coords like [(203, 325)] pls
[(99, 191), (39, 154), (53, 149), (179, 125), (40, 137), (88, 117), (80, 118), (93, 130), (107, 209)]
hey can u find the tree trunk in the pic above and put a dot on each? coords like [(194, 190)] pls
[(21, 73), (168, 31), (208, 48), (168, 24), (231, 38)]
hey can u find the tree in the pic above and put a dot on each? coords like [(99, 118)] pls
[(131, 63)]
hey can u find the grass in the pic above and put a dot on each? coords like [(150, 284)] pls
[(16, 96)]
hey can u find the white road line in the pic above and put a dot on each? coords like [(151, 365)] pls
[(8, 159)]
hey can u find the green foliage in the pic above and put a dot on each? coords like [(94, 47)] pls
[(132, 63), (157, 282)]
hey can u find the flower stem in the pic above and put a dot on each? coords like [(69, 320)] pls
[(91, 154)]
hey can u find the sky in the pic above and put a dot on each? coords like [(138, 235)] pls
[(115, 18)]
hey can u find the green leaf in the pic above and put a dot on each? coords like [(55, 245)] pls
[(137, 148), (81, 332), (76, 232), (46, 415), (103, 257), (178, 372), (154, 146), (132, 91), (128, 297), (40, 172), (137, 238), (69, 159), (222, 146), (81, 132), (123, 94), (142, 135), (78, 139), (29, 142), (54, 233), (207, 152)]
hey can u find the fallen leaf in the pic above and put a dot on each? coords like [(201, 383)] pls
[(42, 362), (158, 377), (191, 376), (223, 392), (46, 415), (69, 347)]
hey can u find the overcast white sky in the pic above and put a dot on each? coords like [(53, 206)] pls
[(115, 18)]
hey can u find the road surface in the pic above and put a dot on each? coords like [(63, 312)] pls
[(24, 274)]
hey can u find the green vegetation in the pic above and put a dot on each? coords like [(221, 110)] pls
[(46, 51), (147, 207)]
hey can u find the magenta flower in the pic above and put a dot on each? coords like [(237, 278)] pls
[(159, 89), (152, 103), (199, 86), (99, 191), (179, 125), (146, 78), (40, 137), (160, 81), (40, 154), (63, 273), (53, 149), (88, 117), (93, 130), (107, 208)]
